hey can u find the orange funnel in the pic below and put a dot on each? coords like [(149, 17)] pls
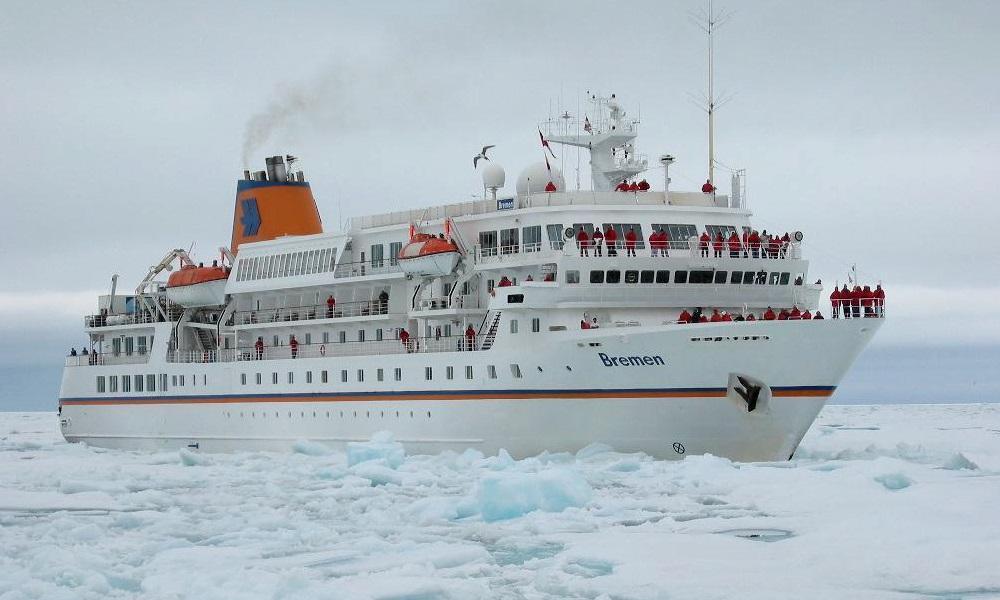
[(269, 209)]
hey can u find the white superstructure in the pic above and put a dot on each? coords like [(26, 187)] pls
[(527, 377)]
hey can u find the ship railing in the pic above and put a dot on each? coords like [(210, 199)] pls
[(686, 248), (467, 301), (106, 358), (858, 309), (364, 308), (375, 266), (102, 320)]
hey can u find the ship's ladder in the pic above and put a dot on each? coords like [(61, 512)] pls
[(491, 334)]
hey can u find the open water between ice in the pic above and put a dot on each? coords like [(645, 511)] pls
[(890, 501)]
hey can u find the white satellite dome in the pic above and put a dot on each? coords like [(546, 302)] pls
[(493, 176), (534, 179)]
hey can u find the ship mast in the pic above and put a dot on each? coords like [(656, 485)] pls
[(709, 22)]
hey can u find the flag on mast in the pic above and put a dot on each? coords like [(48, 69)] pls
[(586, 125), (545, 143)]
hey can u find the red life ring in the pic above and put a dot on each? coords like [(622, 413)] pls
[(322, 350)]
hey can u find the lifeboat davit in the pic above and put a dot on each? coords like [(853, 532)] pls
[(429, 255), (198, 286)]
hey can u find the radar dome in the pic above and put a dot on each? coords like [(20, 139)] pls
[(493, 176), (534, 179)]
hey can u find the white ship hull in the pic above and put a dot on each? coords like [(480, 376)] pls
[(683, 406)]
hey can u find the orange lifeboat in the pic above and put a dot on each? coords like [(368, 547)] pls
[(193, 286), (429, 255)]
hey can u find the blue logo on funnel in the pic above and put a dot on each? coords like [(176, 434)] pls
[(251, 217)]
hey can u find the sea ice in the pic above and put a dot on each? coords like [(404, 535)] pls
[(892, 502)]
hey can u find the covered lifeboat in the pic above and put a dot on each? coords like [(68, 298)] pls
[(194, 287), (429, 255)]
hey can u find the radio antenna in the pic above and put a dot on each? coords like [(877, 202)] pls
[(708, 21)]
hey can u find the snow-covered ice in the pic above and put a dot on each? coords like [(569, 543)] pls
[(889, 501)]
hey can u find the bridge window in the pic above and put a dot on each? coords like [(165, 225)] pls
[(488, 243), (597, 277), (532, 238), (678, 233), (720, 277), (680, 276), (377, 255), (588, 227), (646, 276), (774, 278), (508, 241), (622, 228), (663, 276), (747, 277), (554, 233), (515, 298), (129, 346), (141, 341), (736, 277), (633, 276), (784, 278), (614, 276), (572, 277), (725, 230), (394, 249)]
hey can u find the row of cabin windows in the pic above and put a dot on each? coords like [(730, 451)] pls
[(289, 264), (359, 376), (377, 254), (110, 384), (716, 277), (506, 241), (131, 345)]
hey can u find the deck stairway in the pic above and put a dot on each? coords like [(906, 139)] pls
[(491, 333)]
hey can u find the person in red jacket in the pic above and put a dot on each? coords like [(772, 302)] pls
[(856, 297), (708, 188), (633, 187), (611, 239), (583, 241), (806, 315), (684, 317), (785, 241), (703, 319), (754, 241), (783, 315), (623, 186), (774, 247), (717, 245), (331, 304), (630, 242), (404, 339), (868, 301), (746, 242), (643, 186), (769, 314), (716, 317), (258, 347), (726, 317), (703, 242), (818, 316), (795, 314), (504, 282), (835, 302), (550, 187), (750, 317), (470, 338), (597, 241), (879, 300), (734, 245), (294, 345)]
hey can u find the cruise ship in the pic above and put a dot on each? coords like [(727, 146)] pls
[(497, 323)]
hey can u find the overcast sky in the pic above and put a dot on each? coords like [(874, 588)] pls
[(872, 127)]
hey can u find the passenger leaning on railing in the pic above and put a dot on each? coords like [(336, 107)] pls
[(582, 241), (598, 239), (258, 347)]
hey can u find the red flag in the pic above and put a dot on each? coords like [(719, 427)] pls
[(545, 143), (586, 125)]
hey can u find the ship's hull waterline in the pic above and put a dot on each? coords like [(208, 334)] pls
[(668, 391)]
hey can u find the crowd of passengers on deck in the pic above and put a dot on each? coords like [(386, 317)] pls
[(750, 244)]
